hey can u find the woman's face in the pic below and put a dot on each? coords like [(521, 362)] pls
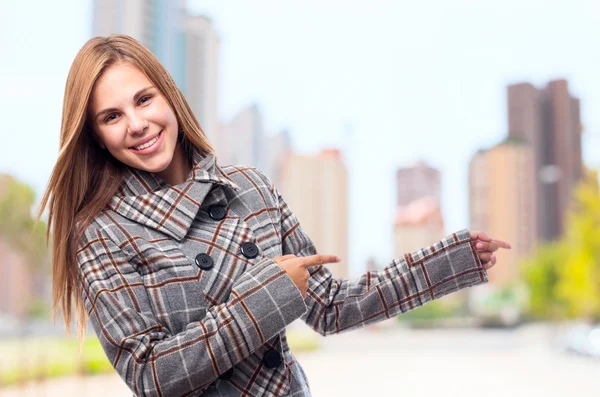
[(132, 120)]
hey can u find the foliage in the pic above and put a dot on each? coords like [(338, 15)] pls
[(39, 358), (29, 359), (563, 276), (433, 310), (17, 226)]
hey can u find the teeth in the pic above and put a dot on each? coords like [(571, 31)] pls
[(147, 144)]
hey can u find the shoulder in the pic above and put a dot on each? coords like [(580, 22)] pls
[(247, 177), (254, 184), (105, 227)]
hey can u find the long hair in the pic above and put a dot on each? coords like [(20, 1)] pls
[(85, 176)]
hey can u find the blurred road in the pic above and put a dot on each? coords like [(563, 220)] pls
[(396, 362)]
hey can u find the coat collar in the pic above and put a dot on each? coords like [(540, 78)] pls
[(145, 198)]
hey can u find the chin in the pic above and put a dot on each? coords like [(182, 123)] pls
[(152, 165)]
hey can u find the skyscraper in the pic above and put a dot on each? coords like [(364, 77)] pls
[(418, 221), (417, 181), (417, 225), (246, 138), (201, 75), (501, 203), (548, 119), (155, 23), (316, 190), (277, 148)]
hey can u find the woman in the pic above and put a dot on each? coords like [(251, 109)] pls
[(188, 271)]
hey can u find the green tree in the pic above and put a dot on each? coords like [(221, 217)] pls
[(579, 281), (541, 273), (20, 230), (563, 276)]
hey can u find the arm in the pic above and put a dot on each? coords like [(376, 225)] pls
[(336, 305), (151, 360)]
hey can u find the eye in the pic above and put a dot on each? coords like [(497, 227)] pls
[(145, 99), (111, 117)]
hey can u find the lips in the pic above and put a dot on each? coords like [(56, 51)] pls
[(146, 144)]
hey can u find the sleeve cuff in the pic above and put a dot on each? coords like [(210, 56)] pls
[(448, 266), (271, 298)]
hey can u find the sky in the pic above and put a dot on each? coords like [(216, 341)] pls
[(388, 82)]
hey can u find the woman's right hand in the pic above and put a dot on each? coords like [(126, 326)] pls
[(297, 267)]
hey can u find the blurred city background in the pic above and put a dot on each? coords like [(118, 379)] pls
[(385, 125)]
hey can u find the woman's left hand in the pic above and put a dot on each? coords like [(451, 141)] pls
[(486, 246)]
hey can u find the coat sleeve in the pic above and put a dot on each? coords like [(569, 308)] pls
[(336, 305), (149, 358)]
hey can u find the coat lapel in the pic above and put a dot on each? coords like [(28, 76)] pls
[(146, 199)]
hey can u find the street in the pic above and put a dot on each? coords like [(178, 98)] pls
[(422, 362)]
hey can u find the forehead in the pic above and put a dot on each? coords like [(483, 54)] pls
[(117, 83)]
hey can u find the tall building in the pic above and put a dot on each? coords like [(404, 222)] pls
[(502, 203), (417, 225), (201, 75), (548, 120), (278, 147), (131, 17), (316, 190), (246, 138), (155, 23), (417, 181)]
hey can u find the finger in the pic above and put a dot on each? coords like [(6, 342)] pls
[(477, 235), (485, 256), (487, 247), (502, 244), (315, 260), (491, 263)]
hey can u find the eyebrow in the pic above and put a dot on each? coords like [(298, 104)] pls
[(135, 98)]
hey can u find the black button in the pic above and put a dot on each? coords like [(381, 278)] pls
[(227, 374), (272, 358), (249, 250), (217, 212), (204, 261)]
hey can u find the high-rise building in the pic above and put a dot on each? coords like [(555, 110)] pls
[(548, 120), (131, 17), (417, 225), (316, 190), (502, 203), (246, 138), (278, 147), (417, 181), (155, 23), (201, 75)]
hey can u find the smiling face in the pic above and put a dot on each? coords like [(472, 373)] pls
[(134, 122)]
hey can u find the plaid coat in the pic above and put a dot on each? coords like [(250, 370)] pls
[(180, 287)]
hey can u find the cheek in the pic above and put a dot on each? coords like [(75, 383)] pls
[(165, 114), (112, 138)]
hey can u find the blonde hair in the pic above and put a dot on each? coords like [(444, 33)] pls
[(85, 177)]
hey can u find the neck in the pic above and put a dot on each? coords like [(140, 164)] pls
[(179, 169)]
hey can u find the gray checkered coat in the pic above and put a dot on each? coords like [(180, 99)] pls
[(181, 291)]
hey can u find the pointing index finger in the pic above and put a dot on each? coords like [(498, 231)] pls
[(315, 260), (502, 244)]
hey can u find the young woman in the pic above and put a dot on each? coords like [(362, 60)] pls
[(190, 271)]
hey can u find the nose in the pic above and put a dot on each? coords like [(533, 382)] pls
[(137, 124)]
